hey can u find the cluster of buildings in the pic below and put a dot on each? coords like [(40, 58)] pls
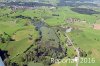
[(15, 7), (72, 20)]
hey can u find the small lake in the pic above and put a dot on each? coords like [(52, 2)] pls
[(85, 11)]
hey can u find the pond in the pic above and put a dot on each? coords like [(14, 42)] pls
[(85, 11)]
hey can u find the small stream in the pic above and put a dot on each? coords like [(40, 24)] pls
[(38, 26)]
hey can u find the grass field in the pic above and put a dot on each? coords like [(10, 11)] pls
[(16, 29), (83, 34)]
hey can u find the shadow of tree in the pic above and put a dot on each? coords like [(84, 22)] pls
[(3, 54)]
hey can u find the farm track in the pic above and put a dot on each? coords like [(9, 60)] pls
[(76, 49)]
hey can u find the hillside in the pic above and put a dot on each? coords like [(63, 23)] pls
[(31, 36)]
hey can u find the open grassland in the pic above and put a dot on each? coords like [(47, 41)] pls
[(17, 30), (87, 39), (61, 14), (21, 42), (83, 35), (65, 13)]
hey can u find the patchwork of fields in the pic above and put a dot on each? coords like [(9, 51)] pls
[(20, 35)]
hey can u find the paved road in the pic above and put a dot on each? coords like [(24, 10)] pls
[(77, 49)]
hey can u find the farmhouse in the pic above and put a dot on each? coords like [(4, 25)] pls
[(52, 7), (96, 26), (69, 29), (72, 20)]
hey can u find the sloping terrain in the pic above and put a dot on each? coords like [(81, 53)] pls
[(37, 35)]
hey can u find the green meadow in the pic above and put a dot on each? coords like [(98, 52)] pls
[(24, 32)]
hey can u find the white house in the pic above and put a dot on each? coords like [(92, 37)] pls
[(68, 29), (75, 59)]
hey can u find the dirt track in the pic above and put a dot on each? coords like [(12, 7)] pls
[(77, 49)]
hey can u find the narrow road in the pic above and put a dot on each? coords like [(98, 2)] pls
[(77, 49)]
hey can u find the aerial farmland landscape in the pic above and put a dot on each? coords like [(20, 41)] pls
[(49, 32)]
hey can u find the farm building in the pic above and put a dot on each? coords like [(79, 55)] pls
[(72, 20), (69, 29)]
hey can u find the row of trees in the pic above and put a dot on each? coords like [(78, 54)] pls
[(5, 38)]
